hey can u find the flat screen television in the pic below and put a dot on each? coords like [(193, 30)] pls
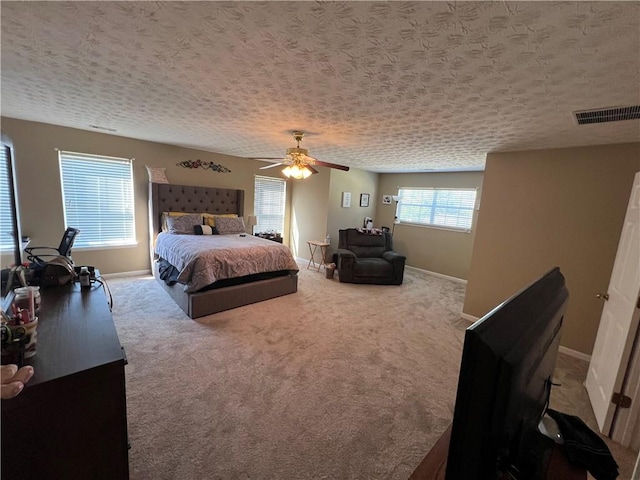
[(505, 380)]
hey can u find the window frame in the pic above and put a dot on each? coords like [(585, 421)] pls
[(282, 184), (434, 206), (9, 221), (69, 180)]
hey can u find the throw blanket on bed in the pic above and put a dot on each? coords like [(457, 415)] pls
[(203, 259)]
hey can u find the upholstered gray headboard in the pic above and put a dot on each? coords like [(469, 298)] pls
[(183, 198)]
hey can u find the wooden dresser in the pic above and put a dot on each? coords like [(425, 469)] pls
[(70, 421)]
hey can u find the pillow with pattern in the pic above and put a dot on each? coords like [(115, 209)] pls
[(183, 224), (228, 225), (166, 215), (210, 218)]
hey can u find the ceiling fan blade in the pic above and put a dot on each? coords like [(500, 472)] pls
[(330, 165), (265, 158), (271, 166), (313, 170)]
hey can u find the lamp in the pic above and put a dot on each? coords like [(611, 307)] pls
[(252, 220), (297, 170), (396, 199)]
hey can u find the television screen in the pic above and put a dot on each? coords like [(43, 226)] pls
[(505, 380)]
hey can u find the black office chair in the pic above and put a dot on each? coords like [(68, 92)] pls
[(63, 250)]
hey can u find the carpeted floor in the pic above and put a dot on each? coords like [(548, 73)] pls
[(337, 381)]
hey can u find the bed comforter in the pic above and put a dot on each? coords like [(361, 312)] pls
[(204, 259)]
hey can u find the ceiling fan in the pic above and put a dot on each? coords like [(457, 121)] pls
[(298, 162)]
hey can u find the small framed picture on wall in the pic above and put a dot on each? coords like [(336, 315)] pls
[(364, 199), (346, 199), (386, 199)]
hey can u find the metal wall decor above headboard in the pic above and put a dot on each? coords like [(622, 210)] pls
[(214, 167)]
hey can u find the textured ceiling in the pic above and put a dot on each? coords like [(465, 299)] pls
[(397, 86)]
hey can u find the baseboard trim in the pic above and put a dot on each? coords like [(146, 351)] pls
[(565, 350), (134, 273), (575, 354), (469, 318), (436, 274)]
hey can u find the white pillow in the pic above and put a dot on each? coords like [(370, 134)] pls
[(203, 230)]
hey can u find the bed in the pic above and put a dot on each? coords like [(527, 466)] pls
[(229, 288)]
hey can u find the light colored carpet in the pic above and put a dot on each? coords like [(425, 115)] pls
[(337, 381)]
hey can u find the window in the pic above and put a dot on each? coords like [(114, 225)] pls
[(437, 207), (269, 202), (7, 207), (97, 194)]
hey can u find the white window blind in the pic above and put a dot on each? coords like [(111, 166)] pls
[(6, 200), (437, 207), (98, 199), (269, 203)]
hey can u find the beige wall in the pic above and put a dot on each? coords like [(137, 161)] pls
[(309, 211), (538, 209), (309, 215), (544, 208), (436, 250), (317, 206), (357, 182), (40, 199)]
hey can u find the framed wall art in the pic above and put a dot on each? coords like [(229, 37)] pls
[(386, 199), (364, 199), (346, 199)]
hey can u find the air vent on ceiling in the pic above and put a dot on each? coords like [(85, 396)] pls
[(604, 115)]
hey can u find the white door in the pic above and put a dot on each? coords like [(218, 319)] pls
[(619, 321)]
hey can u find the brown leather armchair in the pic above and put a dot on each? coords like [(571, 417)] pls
[(363, 258)]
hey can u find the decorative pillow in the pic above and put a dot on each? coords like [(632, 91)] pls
[(157, 174), (165, 215), (228, 225), (183, 224), (210, 219), (203, 230)]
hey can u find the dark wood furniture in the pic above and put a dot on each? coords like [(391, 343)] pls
[(434, 464), (70, 421), (269, 236)]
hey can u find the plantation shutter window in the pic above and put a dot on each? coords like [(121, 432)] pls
[(97, 196), (437, 207), (269, 203)]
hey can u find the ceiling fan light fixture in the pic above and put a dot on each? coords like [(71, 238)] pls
[(298, 172), (300, 164)]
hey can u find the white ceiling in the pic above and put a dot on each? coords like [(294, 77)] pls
[(397, 86)]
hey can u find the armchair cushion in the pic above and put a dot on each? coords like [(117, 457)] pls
[(363, 258), (373, 268), (391, 256)]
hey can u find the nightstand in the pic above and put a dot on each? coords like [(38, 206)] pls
[(270, 236)]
